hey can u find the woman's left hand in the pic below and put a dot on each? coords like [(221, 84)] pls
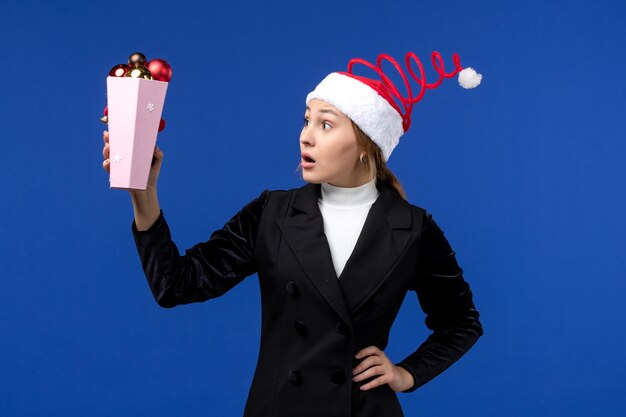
[(377, 363)]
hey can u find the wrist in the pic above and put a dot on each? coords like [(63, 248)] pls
[(145, 208), (406, 377), (143, 196)]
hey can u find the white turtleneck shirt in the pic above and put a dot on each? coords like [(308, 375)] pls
[(344, 211)]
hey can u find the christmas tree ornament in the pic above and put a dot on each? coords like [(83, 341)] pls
[(161, 124), (119, 70), (160, 70), (376, 105), (137, 58), (105, 119), (139, 71)]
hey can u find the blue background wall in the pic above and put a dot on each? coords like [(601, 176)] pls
[(525, 174)]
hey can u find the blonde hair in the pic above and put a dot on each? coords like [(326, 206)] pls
[(376, 161)]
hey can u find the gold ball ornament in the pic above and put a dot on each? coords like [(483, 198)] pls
[(139, 72)]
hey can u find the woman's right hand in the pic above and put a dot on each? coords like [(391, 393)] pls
[(157, 160)]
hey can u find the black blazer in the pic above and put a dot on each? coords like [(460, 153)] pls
[(313, 323)]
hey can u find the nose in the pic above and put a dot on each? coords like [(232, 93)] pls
[(306, 139)]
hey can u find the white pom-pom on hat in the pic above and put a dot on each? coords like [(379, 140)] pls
[(469, 78)]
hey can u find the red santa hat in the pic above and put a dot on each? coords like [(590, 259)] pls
[(377, 106)]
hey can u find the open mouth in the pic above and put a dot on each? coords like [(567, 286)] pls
[(307, 158)]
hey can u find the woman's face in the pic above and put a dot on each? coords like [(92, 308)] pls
[(329, 149)]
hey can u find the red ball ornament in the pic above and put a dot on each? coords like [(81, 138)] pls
[(161, 125), (160, 70), (119, 70), (106, 111)]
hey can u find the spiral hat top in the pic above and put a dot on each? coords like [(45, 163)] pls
[(376, 105)]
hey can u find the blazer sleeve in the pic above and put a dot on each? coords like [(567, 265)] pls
[(446, 299), (208, 269)]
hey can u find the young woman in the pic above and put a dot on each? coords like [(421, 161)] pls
[(335, 259)]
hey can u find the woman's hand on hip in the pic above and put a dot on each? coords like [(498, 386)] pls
[(375, 362)]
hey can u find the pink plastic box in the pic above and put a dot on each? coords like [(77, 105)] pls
[(135, 107)]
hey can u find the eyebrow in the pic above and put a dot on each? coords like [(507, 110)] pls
[(324, 111)]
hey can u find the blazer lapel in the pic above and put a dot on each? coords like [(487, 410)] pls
[(380, 245), (304, 232), (385, 236)]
